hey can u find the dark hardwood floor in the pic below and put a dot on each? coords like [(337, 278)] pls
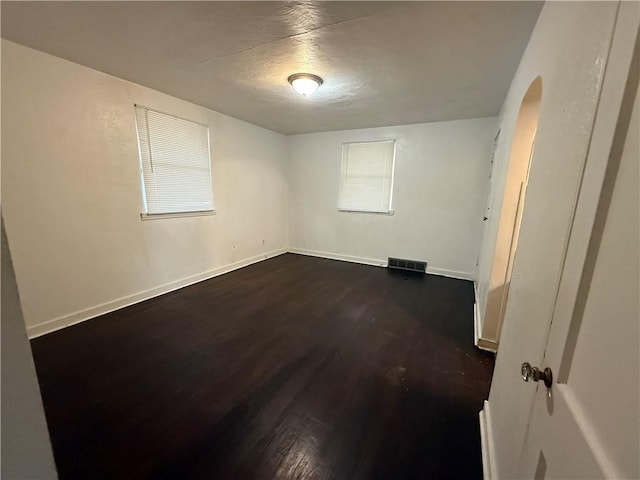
[(293, 368)]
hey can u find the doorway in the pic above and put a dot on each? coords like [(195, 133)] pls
[(520, 157)]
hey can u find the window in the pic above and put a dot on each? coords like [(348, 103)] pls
[(366, 177), (174, 164)]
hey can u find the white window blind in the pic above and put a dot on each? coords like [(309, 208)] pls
[(174, 162), (366, 179)]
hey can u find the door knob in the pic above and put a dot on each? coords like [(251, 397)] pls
[(533, 373)]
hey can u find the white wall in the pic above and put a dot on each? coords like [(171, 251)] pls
[(568, 49), (441, 176), (72, 201), (541, 58), (513, 194), (26, 448)]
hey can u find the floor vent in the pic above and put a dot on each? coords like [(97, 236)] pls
[(410, 265)]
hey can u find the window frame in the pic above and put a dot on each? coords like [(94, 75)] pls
[(145, 215), (390, 210)]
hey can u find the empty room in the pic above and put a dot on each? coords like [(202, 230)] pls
[(320, 240)]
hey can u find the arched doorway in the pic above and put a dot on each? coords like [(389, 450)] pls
[(515, 190)]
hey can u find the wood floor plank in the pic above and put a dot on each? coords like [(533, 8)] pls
[(293, 368)]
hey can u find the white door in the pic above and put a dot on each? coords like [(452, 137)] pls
[(570, 100), (588, 425), (529, 433)]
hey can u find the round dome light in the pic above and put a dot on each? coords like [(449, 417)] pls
[(305, 83)]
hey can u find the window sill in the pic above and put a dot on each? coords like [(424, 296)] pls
[(158, 216), (370, 212)]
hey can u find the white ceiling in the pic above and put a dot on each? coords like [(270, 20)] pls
[(383, 63)]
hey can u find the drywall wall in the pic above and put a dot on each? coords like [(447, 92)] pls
[(568, 49), (72, 199), (26, 448), (513, 198), (492, 250), (441, 176)]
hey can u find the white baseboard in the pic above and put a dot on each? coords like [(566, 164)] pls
[(337, 256), (103, 308), (97, 310), (481, 343), (378, 262), (486, 443), (443, 272), (477, 319), (487, 345)]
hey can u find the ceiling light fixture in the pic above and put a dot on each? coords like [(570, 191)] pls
[(305, 83)]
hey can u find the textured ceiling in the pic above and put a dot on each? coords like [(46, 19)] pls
[(383, 63)]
